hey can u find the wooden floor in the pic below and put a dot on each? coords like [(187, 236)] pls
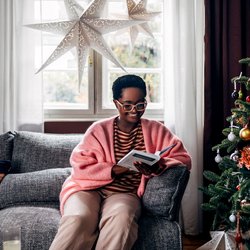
[(193, 242)]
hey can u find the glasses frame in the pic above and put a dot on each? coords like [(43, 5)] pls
[(133, 106)]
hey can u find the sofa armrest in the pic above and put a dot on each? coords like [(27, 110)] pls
[(164, 193)]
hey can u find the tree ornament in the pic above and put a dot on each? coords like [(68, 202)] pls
[(243, 202), (248, 98), (235, 95), (232, 218), (218, 158), (240, 93), (245, 133), (231, 136), (244, 160), (245, 205), (238, 238), (235, 156)]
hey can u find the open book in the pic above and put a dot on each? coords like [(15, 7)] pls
[(136, 155)]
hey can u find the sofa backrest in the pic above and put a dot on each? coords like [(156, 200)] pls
[(31, 151), (39, 167)]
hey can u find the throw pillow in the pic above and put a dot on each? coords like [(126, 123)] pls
[(163, 193), (40, 188), (38, 151)]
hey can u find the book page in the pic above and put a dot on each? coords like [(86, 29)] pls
[(136, 155)]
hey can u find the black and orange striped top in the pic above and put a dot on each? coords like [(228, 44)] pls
[(123, 143)]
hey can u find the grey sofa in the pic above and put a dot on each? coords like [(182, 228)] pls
[(40, 163)]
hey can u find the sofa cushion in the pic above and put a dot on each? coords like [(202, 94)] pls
[(37, 151), (40, 188), (38, 225), (6, 145), (163, 193)]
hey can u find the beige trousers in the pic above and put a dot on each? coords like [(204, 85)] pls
[(93, 222)]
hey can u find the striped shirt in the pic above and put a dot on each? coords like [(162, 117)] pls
[(123, 143)]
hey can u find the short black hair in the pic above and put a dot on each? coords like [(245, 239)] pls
[(127, 81)]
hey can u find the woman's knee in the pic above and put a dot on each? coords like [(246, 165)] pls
[(78, 223)]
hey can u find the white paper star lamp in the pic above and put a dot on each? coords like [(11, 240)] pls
[(138, 12), (220, 240), (84, 30)]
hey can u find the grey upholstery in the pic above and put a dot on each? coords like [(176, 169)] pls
[(40, 164), (6, 145)]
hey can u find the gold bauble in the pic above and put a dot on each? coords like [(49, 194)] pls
[(245, 134)]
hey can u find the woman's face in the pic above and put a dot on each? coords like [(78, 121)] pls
[(134, 96)]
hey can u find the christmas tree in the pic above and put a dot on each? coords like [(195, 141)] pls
[(229, 190)]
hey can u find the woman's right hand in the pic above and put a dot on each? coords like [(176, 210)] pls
[(118, 170)]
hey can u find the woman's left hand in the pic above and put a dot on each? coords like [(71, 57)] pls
[(145, 168)]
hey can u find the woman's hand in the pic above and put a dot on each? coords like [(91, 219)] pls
[(118, 170), (145, 168)]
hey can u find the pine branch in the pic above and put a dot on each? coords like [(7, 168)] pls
[(245, 61), (211, 176), (208, 207)]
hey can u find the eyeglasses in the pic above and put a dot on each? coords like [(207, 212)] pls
[(140, 106)]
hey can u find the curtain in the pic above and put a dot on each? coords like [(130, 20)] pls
[(227, 40), (185, 96), (20, 87)]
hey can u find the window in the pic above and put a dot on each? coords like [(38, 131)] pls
[(62, 97)]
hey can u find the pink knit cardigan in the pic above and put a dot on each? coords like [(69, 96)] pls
[(93, 158)]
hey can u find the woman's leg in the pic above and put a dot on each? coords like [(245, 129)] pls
[(78, 227), (118, 225)]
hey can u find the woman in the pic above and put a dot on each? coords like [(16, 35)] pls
[(100, 201)]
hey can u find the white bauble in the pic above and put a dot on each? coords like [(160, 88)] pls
[(231, 136), (232, 218), (218, 158)]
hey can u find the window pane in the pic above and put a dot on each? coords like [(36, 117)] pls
[(144, 54), (153, 84), (61, 87), (60, 78)]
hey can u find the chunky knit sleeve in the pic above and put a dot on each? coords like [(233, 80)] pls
[(157, 137), (93, 158)]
